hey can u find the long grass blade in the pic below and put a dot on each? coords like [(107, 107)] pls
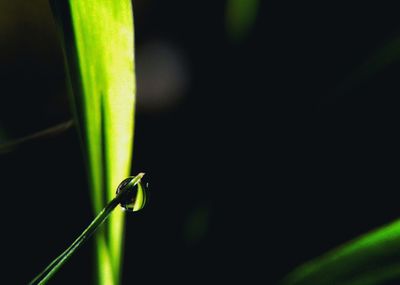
[(371, 259), (98, 39)]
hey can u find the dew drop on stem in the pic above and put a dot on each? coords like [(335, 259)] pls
[(134, 198)]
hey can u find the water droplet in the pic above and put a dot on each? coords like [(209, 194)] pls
[(135, 198)]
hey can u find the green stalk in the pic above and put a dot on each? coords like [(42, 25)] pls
[(55, 265), (98, 41)]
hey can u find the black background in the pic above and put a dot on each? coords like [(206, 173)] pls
[(275, 146)]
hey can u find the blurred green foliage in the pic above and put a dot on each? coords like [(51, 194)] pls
[(197, 224), (371, 259), (240, 17)]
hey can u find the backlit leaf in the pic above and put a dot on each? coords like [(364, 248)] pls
[(98, 40)]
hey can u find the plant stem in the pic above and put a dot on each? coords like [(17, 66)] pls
[(38, 135), (53, 267)]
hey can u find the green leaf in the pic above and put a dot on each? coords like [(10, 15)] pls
[(98, 39), (371, 259)]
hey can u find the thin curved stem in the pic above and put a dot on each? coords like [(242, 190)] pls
[(53, 267), (38, 135)]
